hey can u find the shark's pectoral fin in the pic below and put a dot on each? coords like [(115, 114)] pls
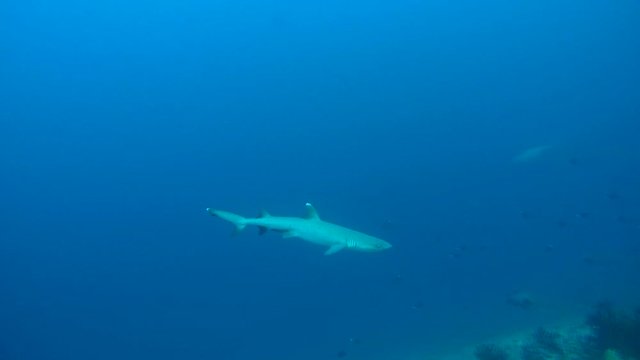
[(262, 230), (334, 249)]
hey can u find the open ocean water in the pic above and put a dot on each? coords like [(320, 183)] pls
[(495, 145)]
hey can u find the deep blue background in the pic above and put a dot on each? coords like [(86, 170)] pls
[(121, 121)]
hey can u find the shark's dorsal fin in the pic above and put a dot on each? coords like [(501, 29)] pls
[(312, 214), (264, 214)]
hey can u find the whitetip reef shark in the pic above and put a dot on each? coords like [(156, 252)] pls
[(310, 228), (531, 153)]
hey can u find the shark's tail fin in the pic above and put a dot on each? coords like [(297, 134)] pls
[(237, 220)]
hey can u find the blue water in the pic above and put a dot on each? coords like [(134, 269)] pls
[(121, 121)]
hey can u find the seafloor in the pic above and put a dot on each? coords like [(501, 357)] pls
[(605, 333)]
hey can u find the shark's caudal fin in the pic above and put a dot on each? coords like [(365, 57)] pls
[(236, 220)]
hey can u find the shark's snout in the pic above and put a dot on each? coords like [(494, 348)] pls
[(382, 245)]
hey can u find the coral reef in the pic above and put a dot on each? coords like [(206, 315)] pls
[(544, 345), (612, 355), (614, 330), (490, 352), (532, 352), (549, 341), (607, 334)]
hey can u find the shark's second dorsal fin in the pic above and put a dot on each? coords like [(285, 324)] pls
[(263, 214), (312, 214)]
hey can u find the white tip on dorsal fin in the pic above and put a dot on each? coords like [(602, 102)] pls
[(311, 212)]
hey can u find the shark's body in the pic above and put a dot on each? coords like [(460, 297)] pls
[(310, 228), (531, 153)]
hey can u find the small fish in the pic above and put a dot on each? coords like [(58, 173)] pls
[(612, 195), (521, 299), (417, 305), (589, 259), (583, 215), (397, 279)]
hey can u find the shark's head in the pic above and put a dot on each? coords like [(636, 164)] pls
[(374, 244)]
